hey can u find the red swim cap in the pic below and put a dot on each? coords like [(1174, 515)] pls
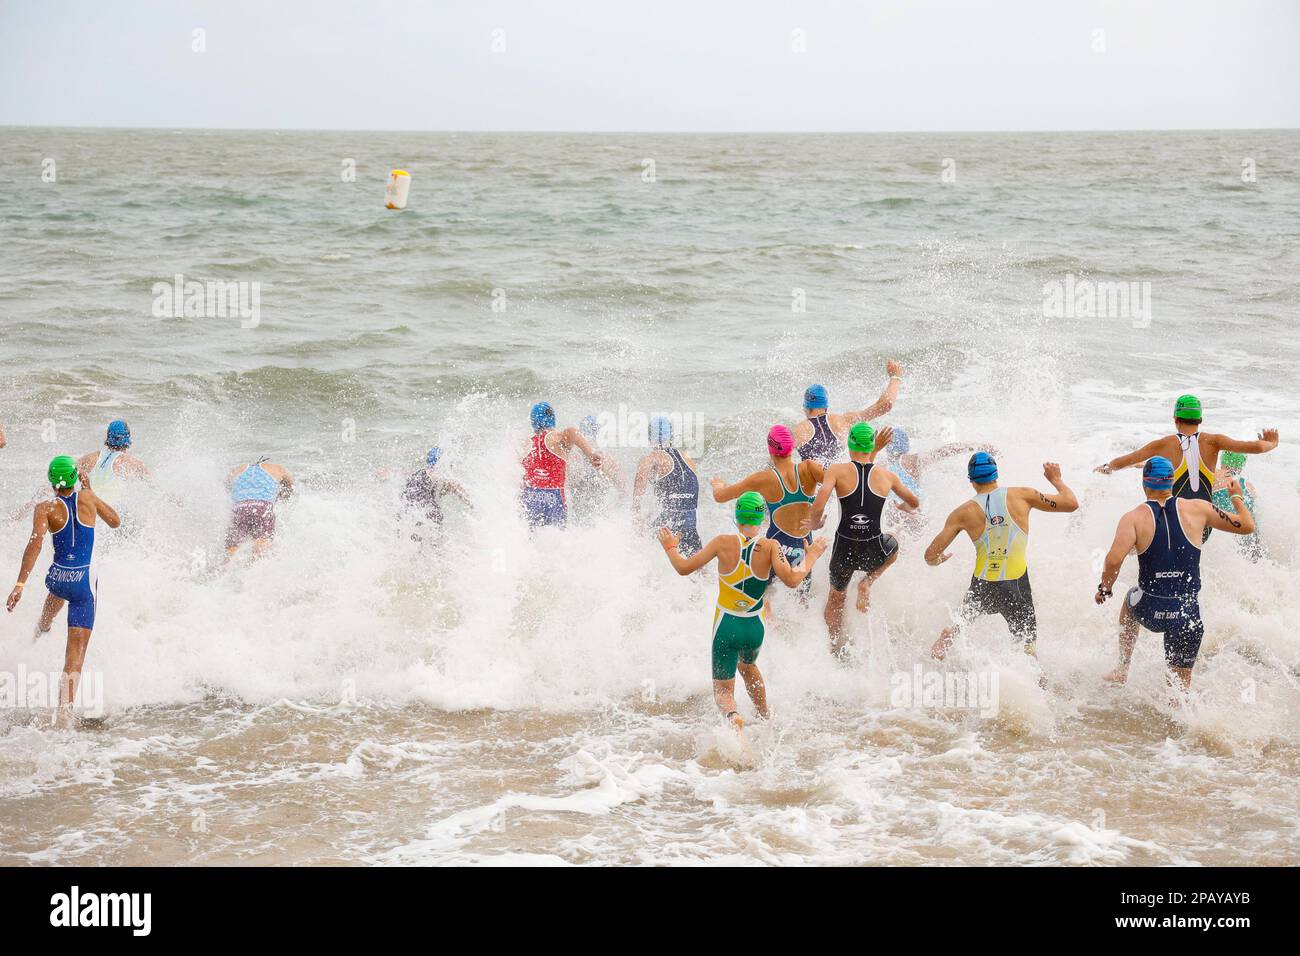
[(780, 442)]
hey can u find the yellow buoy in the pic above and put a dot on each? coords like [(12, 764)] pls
[(399, 185)]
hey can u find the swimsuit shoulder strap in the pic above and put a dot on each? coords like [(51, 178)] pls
[(784, 490)]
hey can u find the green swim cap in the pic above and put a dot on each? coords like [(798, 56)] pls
[(751, 508), (862, 438), (1188, 407), (1234, 460), (63, 472)]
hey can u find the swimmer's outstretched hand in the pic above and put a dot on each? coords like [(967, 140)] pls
[(15, 596), (907, 509), (1103, 469), (668, 539), (894, 368), (806, 527), (717, 484), (1051, 471), (818, 546), (1269, 435), (941, 559)]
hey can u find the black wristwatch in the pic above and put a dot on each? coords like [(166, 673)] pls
[(1103, 590)]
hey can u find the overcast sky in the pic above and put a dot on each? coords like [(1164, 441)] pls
[(653, 65)]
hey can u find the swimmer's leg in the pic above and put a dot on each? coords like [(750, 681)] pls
[(864, 586), (971, 607), (73, 659), (834, 615), (755, 687), (939, 650), (1182, 645), (1128, 632), (1181, 678), (53, 605), (724, 695)]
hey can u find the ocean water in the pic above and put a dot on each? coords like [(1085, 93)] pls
[(506, 697)]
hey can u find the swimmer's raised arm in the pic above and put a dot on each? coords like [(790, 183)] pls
[(1149, 450), (885, 402), (1266, 442), (699, 559)]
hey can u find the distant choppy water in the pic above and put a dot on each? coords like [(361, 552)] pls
[(547, 698)]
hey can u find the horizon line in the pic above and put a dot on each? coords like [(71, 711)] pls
[(661, 132)]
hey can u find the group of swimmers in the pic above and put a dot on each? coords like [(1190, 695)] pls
[(778, 509), (837, 457), (86, 491)]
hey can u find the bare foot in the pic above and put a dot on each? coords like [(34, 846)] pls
[(1118, 676)]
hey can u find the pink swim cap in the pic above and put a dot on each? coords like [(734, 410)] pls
[(780, 442)]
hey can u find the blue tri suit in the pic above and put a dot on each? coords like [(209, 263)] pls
[(1166, 599), (73, 575)]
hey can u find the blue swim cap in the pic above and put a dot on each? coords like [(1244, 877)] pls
[(815, 397), (542, 416), (1158, 474), (661, 431), (119, 434), (982, 469), (899, 444), (431, 459)]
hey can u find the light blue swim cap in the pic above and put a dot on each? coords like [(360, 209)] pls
[(542, 416), (661, 431), (431, 459), (815, 397)]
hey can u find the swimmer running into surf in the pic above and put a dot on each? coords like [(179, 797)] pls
[(545, 465), (746, 565), (788, 489), (423, 493), (254, 489), (113, 465), (861, 544), (997, 522), (676, 485), (820, 436), (73, 577), (1195, 453), (1165, 530)]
